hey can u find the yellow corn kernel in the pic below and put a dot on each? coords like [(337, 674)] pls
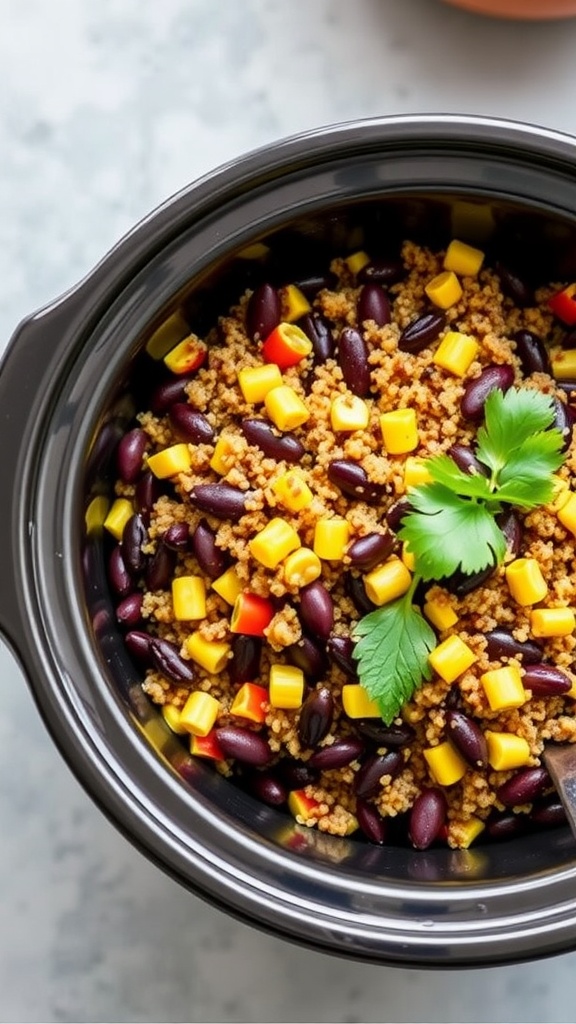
[(468, 831), (188, 598), (186, 356), (456, 352), (211, 655), (399, 431), (301, 568), (506, 750), (167, 335), (199, 713), (228, 585), (171, 715), (525, 581), (444, 290), (294, 304), (357, 703), (256, 381), (292, 491), (564, 364), (356, 261), (552, 622), (463, 259), (445, 764), (571, 693), (170, 461), (95, 515), (285, 408), (451, 658), (256, 251), (567, 513), (387, 581), (119, 514), (408, 557), (560, 496), (331, 539), (224, 456), (349, 412), (416, 472), (440, 613), (272, 544), (286, 686), (503, 688)]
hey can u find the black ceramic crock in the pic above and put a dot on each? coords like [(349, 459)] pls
[(66, 393)]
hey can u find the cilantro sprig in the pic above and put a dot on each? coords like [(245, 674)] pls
[(451, 527)]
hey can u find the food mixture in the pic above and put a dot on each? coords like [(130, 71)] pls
[(342, 544)]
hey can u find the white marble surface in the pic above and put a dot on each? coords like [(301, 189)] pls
[(106, 108)]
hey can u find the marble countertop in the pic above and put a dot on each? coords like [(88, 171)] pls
[(107, 109)]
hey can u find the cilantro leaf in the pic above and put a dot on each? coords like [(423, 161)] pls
[(526, 479), (444, 471), (510, 419), (448, 532), (393, 644)]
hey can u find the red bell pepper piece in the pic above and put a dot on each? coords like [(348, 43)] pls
[(286, 346), (563, 305), (206, 746), (249, 702), (251, 614)]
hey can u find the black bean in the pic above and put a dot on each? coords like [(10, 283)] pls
[(367, 780), (513, 286), (396, 513), (317, 329), (353, 360), (340, 649), (477, 391), (373, 304), (370, 550), (532, 353), (501, 644), (190, 425), (120, 579), (461, 583), (210, 557), (309, 656), (381, 272), (168, 661), (509, 523), (353, 481), (267, 788), (316, 610), (146, 493), (129, 611), (167, 393), (133, 537), (545, 680), (338, 755), (563, 421), (296, 774), (523, 787), (427, 818), (371, 822), (505, 826), (160, 568), (466, 460), (286, 448), (262, 312), (467, 737), (243, 745), (130, 453), (422, 332), (244, 665), (391, 736), (138, 645), (311, 284), (356, 591), (548, 813), (219, 500), (177, 537), (316, 717)]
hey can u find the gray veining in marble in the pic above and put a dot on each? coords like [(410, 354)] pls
[(107, 108)]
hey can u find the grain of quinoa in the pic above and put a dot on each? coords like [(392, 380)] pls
[(398, 380)]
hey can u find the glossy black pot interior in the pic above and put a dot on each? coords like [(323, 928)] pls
[(68, 386)]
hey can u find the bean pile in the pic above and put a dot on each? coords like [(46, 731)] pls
[(258, 497)]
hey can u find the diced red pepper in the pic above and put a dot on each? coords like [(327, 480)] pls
[(286, 346), (187, 356), (563, 305), (249, 702), (300, 805), (251, 614), (206, 746)]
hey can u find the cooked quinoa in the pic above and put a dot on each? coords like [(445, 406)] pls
[(398, 380)]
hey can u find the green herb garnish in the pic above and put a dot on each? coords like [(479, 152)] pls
[(452, 527)]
